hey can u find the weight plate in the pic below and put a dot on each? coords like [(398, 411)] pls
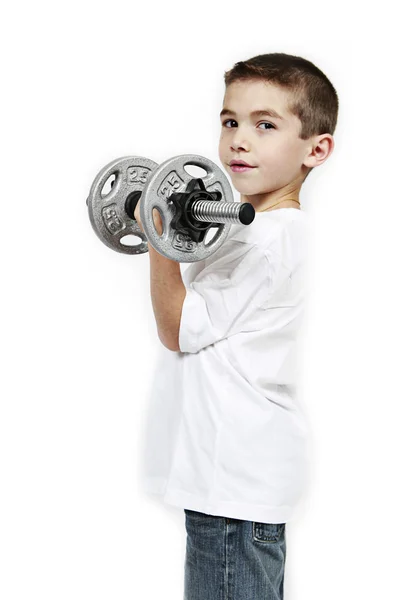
[(170, 177), (107, 211)]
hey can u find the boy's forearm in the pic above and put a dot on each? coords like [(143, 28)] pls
[(167, 295)]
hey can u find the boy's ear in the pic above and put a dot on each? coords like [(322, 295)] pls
[(322, 148)]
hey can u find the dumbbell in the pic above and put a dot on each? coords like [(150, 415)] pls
[(188, 206)]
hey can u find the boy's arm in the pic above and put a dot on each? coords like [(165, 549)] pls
[(167, 295), (167, 289)]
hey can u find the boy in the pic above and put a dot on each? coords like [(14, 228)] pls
[(226, 437)]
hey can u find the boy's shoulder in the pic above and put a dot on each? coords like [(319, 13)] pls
[(268, 227), (270, 234)]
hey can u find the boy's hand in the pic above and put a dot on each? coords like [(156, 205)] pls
[(156, 217)]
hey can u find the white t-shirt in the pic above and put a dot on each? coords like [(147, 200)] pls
[(224, 433)]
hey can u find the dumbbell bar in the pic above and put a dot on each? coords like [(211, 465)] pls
[(188, 206)]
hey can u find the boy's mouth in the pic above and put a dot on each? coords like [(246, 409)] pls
[(238, 168), (240, 163)]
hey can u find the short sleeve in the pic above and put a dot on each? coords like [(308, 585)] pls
[(217, 306)]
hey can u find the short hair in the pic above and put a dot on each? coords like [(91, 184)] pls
[(312, 97)]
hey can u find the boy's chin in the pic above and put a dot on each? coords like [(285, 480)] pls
[(248, 191)]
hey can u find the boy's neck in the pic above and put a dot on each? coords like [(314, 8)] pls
[(275, 204)]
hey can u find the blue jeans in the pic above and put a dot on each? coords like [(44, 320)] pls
[(232, 559)]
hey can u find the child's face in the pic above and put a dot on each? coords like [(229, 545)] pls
[(275, 149)]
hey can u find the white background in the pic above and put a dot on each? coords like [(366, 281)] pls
[(84, 83)]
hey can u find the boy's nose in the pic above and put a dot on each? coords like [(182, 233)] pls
[(240, 146), (239, 142)]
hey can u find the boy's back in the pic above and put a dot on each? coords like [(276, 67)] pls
[(225, 434)]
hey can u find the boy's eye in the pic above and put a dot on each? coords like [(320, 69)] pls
[(263, 123)]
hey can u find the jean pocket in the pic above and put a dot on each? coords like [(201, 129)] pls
[(268, 532)]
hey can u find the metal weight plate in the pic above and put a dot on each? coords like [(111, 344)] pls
[(107, 212), (170, 177)]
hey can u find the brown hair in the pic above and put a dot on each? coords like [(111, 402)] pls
[(312, 97)]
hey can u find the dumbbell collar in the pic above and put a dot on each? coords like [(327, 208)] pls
[(183, 218)]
